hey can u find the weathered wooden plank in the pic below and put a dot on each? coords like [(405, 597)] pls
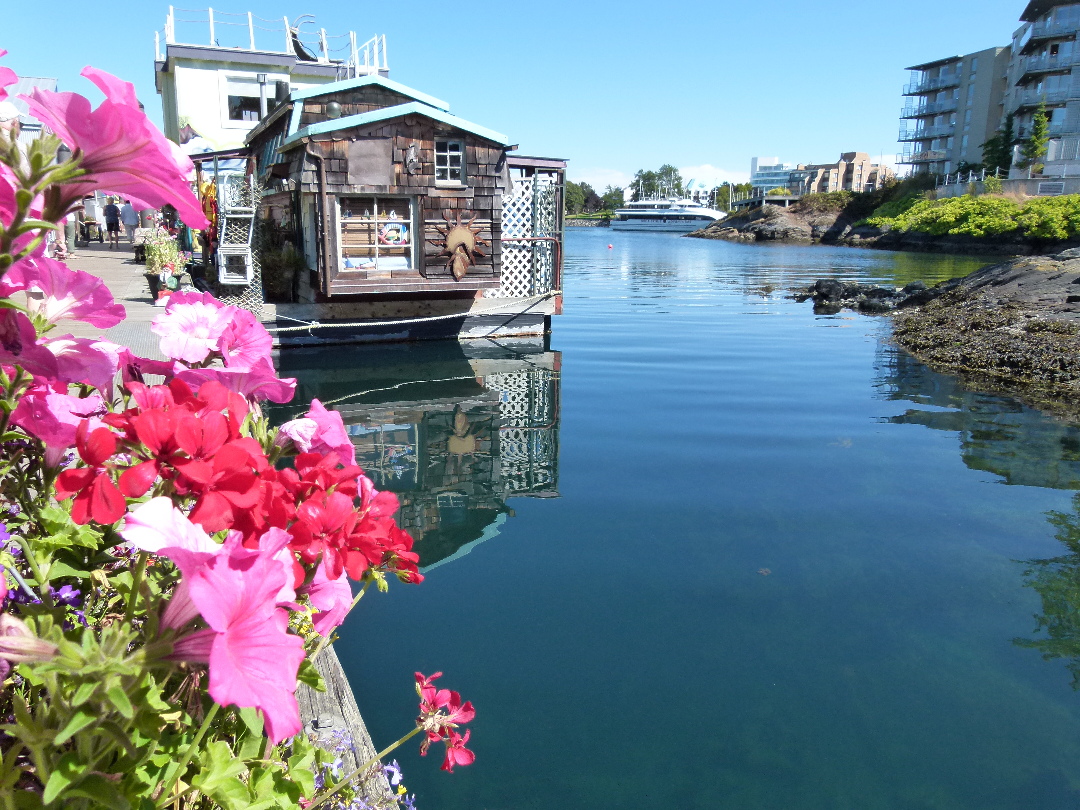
[(334, 712)]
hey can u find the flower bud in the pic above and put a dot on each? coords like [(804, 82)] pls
[(18, 645)]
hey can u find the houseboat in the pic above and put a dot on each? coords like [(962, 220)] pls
[(674, 215), (409, 221)]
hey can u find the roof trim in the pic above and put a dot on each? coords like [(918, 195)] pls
[(365, 81), (927, 65), (398, 111)]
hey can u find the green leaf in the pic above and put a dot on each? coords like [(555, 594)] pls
[(67, 770), (118, 698), (218, 777), (310, 675), (101, 790), (83, 693), (302, 772), (81, 720)]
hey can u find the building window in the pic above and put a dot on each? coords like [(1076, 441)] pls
[(964, 143), (377, 233), (449, 161), (974, 65), (971, 94), (243, 99)]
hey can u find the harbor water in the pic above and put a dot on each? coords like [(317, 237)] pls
[(707, 549)]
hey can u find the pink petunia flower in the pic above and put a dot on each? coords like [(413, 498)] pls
[(253, 658), (331, 597), (122, 151), (191, 326), (7, 77), (245, 342), (157, 524), (86, 360), (19, 346), (67, 293), (300, 432), (330, 435), (54, 417), (256, 383)]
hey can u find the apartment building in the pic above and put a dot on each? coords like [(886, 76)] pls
[(767, 173), (954, 105), (1045, 68), (854, 171)]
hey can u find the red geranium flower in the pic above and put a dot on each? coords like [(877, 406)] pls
[(96, 496)]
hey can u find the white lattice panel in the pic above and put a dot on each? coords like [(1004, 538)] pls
[(528, 451), (527, 267)]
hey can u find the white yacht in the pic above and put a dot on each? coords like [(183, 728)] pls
[(680, 216)]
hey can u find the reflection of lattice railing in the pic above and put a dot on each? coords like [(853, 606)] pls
[(528, 268), (528, 438)]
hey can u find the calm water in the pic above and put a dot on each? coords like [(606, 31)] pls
[(788, 566)]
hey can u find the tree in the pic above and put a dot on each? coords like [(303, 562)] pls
[(670, 180), (645, 185), (998, 151), (1033, 148), (575, 198), (613, 198), (593, 201)]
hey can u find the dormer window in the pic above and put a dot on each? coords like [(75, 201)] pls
[(449, 161)]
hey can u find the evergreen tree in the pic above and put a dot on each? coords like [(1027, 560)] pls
[(1034, 147), (1008, 140), (575, 198)]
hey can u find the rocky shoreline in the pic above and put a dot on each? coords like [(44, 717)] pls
[(1012, 327)]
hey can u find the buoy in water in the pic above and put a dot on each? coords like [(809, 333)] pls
[(609, 247)]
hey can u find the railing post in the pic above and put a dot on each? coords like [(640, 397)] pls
[(157, 47), (322, 41), (210, 12), (385, 62), (288, 36), (170, 28), (354, 54), (251, 31)]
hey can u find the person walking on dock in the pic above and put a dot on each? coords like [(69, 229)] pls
[(112, 224), (130, 218)]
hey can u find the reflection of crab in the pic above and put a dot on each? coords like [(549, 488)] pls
[(460, 244)]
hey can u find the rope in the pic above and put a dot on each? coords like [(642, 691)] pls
[(314, 325)]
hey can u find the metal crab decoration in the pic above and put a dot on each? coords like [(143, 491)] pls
[(460, 244)]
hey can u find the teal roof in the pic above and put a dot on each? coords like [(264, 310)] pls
[(386, 113), (367, 81)]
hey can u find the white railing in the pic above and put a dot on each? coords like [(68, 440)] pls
[(918, 110), (966, 178), (917, 88), (248, 32), (927, 133), (925, 156)]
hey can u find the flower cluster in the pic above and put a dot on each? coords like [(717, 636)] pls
[(441, 712), (165, 574)]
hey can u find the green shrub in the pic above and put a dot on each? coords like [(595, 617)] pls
[(886, 214), (956, 216), (993, 185), (1054, 218), (828, 202), (778, 192)]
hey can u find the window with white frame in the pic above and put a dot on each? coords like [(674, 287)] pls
[(242, 96), (377, 233), (449, 161)]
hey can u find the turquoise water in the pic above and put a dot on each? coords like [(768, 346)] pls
[(788, 566)]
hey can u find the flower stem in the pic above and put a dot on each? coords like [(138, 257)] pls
[(174, 775), (136, 584), (31, 560), (335, 788)]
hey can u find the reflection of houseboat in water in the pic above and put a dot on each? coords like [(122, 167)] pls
[(454, 429)]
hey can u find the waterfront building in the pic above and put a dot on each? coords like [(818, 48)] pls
[(1045, 68), (219, 74), (954, 105), (30, 128), (854, 171), (767, 173)]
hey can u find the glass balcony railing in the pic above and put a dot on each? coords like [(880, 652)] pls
[(1053, 28), (1047, 62), (1032, 97), (925, 156), (932, 108), (931, 85), (927, 133)]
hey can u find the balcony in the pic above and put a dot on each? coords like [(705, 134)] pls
[(932, 85), (926, 133), (1033, 97), (1052, 29), (1045, 63), (933, 108), (925, 156)]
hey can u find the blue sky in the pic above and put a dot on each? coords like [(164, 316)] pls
[(612, 86)]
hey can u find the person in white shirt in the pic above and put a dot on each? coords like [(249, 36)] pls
[(130, 217)]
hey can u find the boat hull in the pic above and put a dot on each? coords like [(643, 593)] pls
[(664, 225)]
